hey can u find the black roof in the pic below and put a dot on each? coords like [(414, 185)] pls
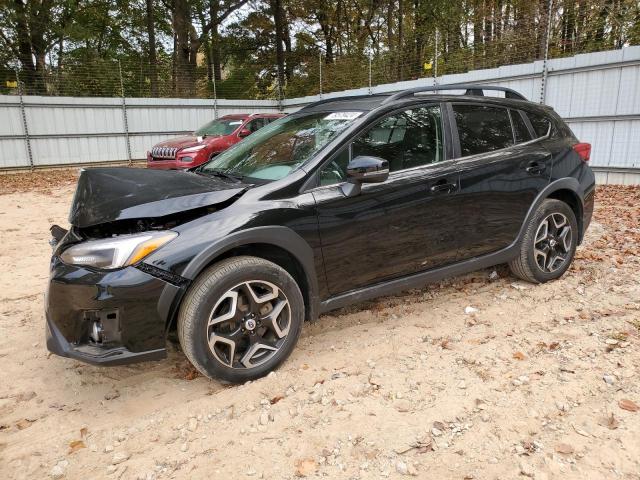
[(371, 102)]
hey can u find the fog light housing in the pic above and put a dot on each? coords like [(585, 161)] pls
[(96, 332), (186, 159), (103, 326)]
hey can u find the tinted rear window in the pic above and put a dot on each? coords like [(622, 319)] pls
[(520, 130), (540, 124), (482, 128)]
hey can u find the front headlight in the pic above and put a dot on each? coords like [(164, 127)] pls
[(116, 252), (192, 149)]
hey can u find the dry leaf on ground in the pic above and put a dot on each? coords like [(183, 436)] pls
[(628, 405), (305, 467), (76, 445), (23, 423), (565, 448), (610, 422)]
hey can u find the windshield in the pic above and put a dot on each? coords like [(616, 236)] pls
[(282, 146), (218, 127)]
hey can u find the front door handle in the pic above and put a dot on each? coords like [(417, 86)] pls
[(443, 186), (535, 168)]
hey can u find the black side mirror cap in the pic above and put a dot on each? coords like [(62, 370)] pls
[(364, 169)]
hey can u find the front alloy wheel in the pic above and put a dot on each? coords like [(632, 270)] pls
[(240, 319), (249, 324)]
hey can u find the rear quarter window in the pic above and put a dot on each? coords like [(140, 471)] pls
[(540, 123)]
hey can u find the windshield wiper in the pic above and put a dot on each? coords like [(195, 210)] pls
[(222, 174)]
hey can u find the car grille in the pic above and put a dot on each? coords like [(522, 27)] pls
[(163, 152)]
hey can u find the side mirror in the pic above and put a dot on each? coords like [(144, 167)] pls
[(364, 169), (245, 132)]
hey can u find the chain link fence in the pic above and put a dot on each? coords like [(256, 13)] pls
[(490, 35)]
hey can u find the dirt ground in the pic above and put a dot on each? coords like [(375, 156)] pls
[(481, 376)]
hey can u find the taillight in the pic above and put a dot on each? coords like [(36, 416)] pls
[(584, 150)]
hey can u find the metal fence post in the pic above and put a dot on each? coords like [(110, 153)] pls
[(320, 70), (280, 93), (124, 115), (25, 126), (545, 69), (435, 67), (215, 98), (370, 89)]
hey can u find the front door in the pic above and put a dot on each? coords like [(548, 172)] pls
[(397, 227), (501, 172)]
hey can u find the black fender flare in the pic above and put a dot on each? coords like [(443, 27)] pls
[(277, 236), (569, 183)]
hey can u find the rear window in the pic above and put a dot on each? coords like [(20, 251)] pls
[(482, 128), (540, 124), (520, 130)]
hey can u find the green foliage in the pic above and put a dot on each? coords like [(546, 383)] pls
[(228, 47)]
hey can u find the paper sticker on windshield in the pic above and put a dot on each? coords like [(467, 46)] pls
[(236, 123), (343, 115)]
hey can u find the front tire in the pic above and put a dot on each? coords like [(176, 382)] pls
[(549, 243), (240, 319)]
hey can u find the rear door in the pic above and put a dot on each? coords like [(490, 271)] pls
[(502, 169), (397, 227)]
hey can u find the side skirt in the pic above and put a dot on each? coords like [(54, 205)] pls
[(418, 280)]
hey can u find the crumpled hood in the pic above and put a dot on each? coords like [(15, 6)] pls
[(108, 194)]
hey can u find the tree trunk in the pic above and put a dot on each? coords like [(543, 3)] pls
[(544, 22), (327, 28), (215, 40), (28, 73), (400, 44), (151, 33), (417, 21), (186, 47), (288, 49), (276, 9), (478, 34)]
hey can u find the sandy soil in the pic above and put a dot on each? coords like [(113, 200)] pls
[(539, 381)]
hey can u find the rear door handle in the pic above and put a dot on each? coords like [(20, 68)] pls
[(443, 186), (535, 168)]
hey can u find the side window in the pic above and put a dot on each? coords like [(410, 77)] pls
[(407, 139), (255, 125), (540, 123), (482, 128), (520, 130)]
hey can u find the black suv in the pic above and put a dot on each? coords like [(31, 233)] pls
[(345, 200)]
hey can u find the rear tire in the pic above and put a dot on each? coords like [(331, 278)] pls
[(549, 243), (240, 319)]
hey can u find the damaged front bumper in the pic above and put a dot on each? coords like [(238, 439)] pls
[(107, 317)]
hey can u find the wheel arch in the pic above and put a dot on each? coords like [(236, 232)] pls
[(565, 189), (279, 245), (572, 199)]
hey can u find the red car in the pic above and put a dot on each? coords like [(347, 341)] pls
[(209, 140)]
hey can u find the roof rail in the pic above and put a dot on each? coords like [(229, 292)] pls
[(477, 90), (335, 99)]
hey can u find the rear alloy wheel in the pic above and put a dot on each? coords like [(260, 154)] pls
[(553, 242), (549, 243), (240, 319)]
